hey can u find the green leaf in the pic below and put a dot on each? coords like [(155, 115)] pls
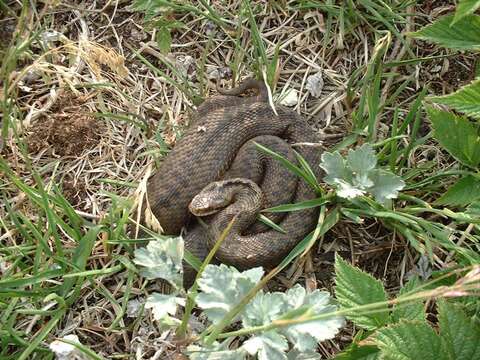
[(457, 135), (465, 8), (354, 288), (217, 301), (413, 311), (164, 40), (296, 302), (305, 336), (290, 166), (409, 341), (162, 259), (460, 334), (357, 175), (269, 345), (348, 190), (361, 161), (163, 305), (464, 35), (335, 167), (474, 210), (386, 185), (466, 100), (464, 192), (268, 222), (307, 204)]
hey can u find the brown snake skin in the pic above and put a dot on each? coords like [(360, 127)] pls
[(219, 145)]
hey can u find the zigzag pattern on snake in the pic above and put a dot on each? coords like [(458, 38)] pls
[(219, 145)]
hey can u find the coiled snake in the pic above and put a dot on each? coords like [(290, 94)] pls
[(218, 152)]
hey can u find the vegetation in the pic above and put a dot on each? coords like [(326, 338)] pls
[(86, 105)]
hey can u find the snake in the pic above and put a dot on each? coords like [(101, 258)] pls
[(217, 172)]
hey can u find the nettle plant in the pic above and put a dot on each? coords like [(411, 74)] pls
[(459, 135)]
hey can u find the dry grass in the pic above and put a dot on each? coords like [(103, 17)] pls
[(96, 118)]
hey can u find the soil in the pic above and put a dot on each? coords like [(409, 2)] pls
[(67, 130)]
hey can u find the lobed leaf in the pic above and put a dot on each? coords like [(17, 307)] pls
[(267, 346), (357, 175), (305, 336), (163, 305), (361, 161), (335, 167), (386, 185), (266, 308), (162, 259), (217, 301)]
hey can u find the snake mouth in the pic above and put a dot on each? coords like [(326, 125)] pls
[(203, 206), (203, 211)]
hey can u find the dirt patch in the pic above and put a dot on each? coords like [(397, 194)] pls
[(447, 75), (67, 131)]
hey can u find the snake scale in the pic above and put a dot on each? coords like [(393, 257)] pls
[(218, 151)]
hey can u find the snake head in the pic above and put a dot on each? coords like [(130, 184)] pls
[(210, 200)]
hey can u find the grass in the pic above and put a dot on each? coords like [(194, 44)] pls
[(65, 259)]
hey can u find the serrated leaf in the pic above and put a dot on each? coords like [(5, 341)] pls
[(222, 287), (460, 334), (464, 35), (413, 311), (163, 305), (356, 352), (465, 8), (465, 191), (409, 341), (457, 135), (466, 100), (164, 39), (386, 185), (268, 346), (162, 259), (354, 288)]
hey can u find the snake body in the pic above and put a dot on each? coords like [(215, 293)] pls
[(218, 150)]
